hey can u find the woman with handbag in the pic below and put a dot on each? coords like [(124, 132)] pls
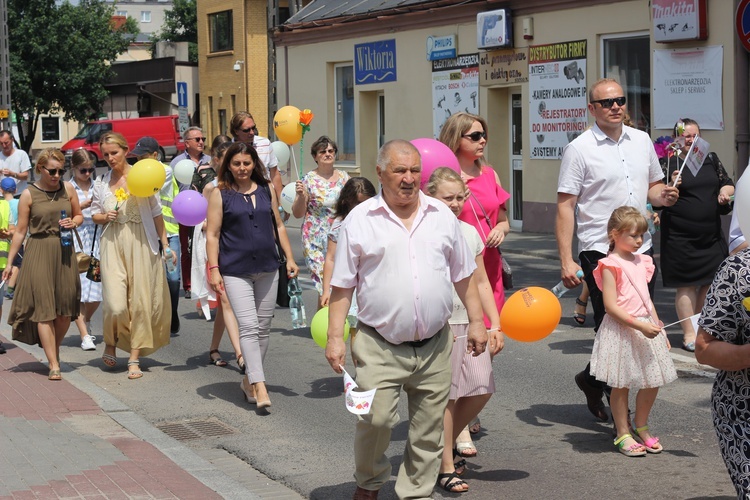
[(48, 291), (91, 291), (466, 135), (136, 310), (243, 257), (692, 242)]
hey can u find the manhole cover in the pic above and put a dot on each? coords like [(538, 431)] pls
[(195, 429)]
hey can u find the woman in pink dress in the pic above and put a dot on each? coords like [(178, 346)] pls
[(466, 135)]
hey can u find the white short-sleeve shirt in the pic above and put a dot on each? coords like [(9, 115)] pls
[(17, 162), (605, 174)]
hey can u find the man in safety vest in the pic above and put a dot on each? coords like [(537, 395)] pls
[(148, 148), (7, 226)]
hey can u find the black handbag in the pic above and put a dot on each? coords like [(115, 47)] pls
[(94, 272), (282, 293)]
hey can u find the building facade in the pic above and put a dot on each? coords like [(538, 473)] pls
[(365, 73)]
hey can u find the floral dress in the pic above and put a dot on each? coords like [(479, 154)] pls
[(317, 221)]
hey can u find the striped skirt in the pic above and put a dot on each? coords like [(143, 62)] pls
[(472, 376)]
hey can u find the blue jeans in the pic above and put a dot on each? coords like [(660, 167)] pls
[(174, 245)]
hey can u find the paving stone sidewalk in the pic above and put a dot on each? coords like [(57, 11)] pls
[(56, 442)]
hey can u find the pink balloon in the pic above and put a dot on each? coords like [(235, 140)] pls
[(435, 154), (189, 208)]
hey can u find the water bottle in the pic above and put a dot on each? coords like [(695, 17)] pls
[(171, 267), (66, 235), (650, 218), (560, 289), (296, 306)]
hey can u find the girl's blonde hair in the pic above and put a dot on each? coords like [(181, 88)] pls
[(441, 175), (624, 219)]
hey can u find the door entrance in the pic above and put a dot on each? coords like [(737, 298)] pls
[(515, 214)]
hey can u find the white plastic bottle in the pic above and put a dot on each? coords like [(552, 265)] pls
[(560, 289)]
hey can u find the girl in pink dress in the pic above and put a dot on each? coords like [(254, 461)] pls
[(631, 350)]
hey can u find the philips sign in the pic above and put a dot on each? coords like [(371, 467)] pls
[(441, 47)]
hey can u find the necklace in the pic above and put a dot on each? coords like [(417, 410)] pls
[(46, 193)]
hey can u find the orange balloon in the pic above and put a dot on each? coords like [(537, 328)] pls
[(286, 125), (530, 314)]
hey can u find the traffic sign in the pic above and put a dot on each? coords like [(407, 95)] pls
[(182, 94), (183, 120)]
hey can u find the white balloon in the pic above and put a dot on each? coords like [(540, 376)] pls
[(287, 197), (742, 203), (281, 150), (183, 171)]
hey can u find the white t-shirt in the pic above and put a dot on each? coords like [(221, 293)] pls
[(17, 162), (460, 316), (606, 175)]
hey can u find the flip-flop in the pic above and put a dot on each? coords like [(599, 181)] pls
[(54, 375)]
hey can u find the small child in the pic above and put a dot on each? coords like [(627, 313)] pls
[(355, 191), (631, 350), (8, 218)]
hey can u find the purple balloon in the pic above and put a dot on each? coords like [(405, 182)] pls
[(189, 208), (434, 154)]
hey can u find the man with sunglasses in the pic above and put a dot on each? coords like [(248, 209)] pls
[(608, 166), (195, 143), (244, 130), (14, 163)]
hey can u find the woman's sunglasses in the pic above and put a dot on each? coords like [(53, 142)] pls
[(86, 170), (475, 136), (54, 171)]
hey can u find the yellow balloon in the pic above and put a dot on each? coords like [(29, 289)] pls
[(319, 327), (146, 178), (286, 125)]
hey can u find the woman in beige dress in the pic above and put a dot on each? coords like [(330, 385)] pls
[(48, 291), (136, 311)]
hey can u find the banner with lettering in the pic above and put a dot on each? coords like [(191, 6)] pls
[(455, 88), (687, 84), (557, 97)]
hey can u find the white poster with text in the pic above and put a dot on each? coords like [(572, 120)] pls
[(558, 110), (455, 88), (687, 84)]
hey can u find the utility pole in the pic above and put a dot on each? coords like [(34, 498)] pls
[(5, 106)]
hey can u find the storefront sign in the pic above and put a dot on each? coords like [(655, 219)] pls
[(455, 88), (687, 82), (441, 47), (679, 20), (558, 110), (494, 29), (504, 67), (375, 62)]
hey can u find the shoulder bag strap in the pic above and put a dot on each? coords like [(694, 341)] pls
[(646, 303), (93, 240), (282, 256)]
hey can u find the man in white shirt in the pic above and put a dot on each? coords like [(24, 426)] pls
[(14, 162), (403, 252), (608, 166), (244, 130)]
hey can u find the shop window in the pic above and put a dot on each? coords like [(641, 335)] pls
[(145, 16), (50, 129), (627, 58), (345, 113), (220, 28)]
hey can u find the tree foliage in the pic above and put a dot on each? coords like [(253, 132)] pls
[(60, 59), (180, 25)]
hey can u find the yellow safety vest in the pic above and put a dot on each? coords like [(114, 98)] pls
[(170, 224), (4, 224)]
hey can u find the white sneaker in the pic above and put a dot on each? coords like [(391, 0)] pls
[(88, 343)]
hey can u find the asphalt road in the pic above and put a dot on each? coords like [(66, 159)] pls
[(538, 439)]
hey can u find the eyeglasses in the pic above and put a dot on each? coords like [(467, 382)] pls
[(86, 170), (247, 130), (55, 171), (476, 136), (196, 139), (607, 103), (329, 151)]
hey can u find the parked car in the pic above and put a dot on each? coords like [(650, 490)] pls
[(162, 128)]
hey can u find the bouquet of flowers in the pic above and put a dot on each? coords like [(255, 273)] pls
[(664, 146)]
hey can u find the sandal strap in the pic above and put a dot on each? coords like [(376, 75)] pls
[(134, 363), (621, 439), (638, 430), (213, 351), (581, 303), (451, 481)]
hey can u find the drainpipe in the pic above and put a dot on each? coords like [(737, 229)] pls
[(741, 90)]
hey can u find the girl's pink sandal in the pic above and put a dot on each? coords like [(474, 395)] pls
[(630, 451), (652, 444)]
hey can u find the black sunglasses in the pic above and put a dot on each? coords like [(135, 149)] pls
[(607, 103), (54, 171), (254, 130), (86, 170), (197, 139), (476, 136)]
